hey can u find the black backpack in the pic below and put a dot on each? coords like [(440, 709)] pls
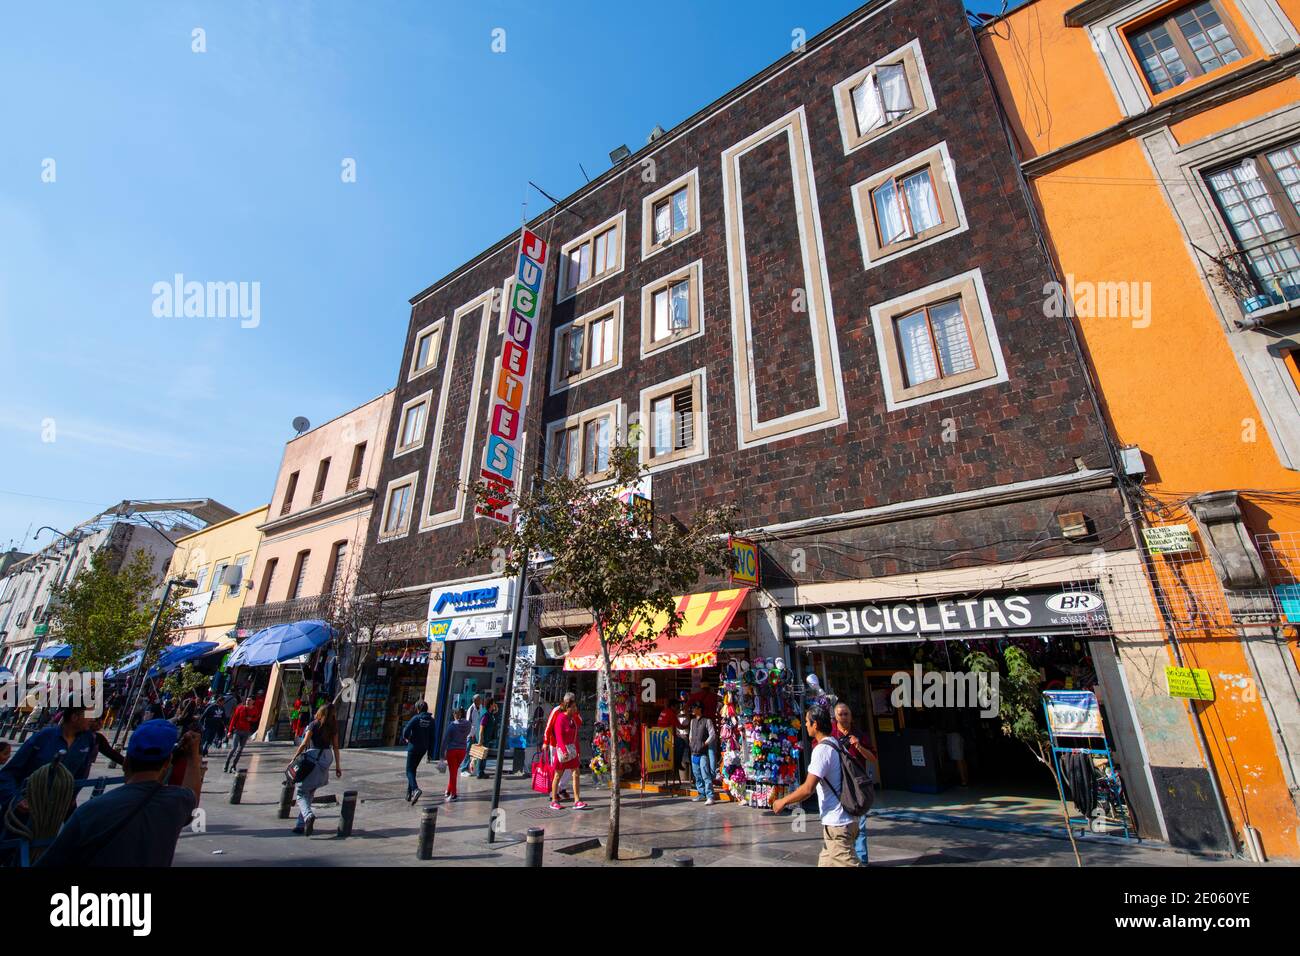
[(858, 792)]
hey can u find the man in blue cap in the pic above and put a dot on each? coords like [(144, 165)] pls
[(138, 823)]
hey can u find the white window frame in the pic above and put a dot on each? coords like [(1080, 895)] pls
[(559, 357), (884, 314), (843, 94), (692, 272), (617, 221), (697, 379), (399, 449), (580, 420), (864, 210), (691, 181), (411, 479), (433, 329)]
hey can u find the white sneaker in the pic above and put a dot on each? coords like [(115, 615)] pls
[(710, 801), (464, 773)]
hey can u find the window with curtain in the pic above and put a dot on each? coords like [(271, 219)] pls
[(596, 443), (934, 342), (413, 425), (300, 576), (906, 207), (1259, 198), (883, 97), (602, 342), (672, 308), (672, 216), (399, 504)]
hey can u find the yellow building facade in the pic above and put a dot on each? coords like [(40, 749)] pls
[(220, 558)]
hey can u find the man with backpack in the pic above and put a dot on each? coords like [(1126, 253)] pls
[(842, 787)]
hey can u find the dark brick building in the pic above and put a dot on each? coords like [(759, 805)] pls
[(823, 298)]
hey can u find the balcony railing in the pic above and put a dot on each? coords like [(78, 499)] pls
[(1264, 275), (353, 484), (286, 507), (317, 497), (258, 616)]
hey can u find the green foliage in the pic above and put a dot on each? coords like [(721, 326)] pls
[(620, 564), (1020, 705), (624, 565), (104, 614), (185, 679)]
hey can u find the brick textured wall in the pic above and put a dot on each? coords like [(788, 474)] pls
[(1034, 425)]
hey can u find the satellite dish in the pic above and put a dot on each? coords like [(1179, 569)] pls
[(300, 424)]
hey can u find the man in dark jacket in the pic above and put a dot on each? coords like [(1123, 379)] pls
[(418, 737), (702, 736), (214, 724)]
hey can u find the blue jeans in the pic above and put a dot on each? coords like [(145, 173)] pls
[(465, 764), (860, 844), (700, 770), (413, 758)]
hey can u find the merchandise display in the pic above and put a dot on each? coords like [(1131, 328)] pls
[(759, 728)]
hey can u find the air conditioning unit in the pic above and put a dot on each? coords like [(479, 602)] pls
[(556, 648)]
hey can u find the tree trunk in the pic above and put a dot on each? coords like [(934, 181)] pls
[(611, 844)]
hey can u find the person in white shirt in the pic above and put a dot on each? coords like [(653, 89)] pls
[(826, 777), (474, 716)]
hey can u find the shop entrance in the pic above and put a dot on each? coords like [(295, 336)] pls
[(939, 740)]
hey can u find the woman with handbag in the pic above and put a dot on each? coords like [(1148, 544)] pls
[(311, 762), (565, 730)]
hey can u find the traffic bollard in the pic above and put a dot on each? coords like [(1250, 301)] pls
[(286, 798), (237, 788), (533, 847), (347, 812), (683, 861), (428, 826)]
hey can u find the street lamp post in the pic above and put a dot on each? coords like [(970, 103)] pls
[(137, 685)]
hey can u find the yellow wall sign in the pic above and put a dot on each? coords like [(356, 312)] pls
[(1191, 682), (656, 749), (1169, 539), (746, 569)]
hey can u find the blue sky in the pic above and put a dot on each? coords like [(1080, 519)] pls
[(225, 166)]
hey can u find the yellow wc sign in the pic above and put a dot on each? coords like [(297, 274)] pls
[(656, 749)]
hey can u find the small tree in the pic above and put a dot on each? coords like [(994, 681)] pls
[(365, 598), (104, 614), (1020, 710), (624, 565), (184, 679)]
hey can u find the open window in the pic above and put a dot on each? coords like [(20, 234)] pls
[(882, 97)]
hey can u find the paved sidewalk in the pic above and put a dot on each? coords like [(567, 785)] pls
[(655, 828)]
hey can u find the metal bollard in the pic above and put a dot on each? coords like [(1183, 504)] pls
[(428, 827), (237, 788), (347, 812), (683, 861), (533, 847), (286, 798)]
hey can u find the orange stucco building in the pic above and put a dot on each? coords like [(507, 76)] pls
[(1160, 143)]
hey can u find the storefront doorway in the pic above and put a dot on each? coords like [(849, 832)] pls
[(911, 672)]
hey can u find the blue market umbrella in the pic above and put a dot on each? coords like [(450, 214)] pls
[(174, 657), (6, 675), (281, 642), (126, 665), (54, 652)]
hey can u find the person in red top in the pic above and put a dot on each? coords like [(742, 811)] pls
[(564, 731), (548, 738), (242, 724)]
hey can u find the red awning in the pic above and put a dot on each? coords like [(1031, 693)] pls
[(704, 623)]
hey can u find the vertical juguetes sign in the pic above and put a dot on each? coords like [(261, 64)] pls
[(514, 373)]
